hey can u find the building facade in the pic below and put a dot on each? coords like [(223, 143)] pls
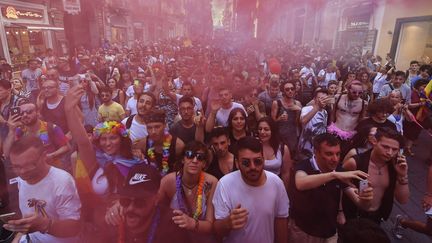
[(401, 28), (28, 28)]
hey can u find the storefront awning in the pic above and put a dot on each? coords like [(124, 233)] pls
[(36, 26)]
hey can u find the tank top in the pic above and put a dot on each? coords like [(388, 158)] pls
[(274, 165)]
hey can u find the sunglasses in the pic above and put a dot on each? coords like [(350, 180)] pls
[(199, 156), (290, 89), (126, 202), (247, 162)]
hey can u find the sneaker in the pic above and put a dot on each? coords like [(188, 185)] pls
[(397, 229)]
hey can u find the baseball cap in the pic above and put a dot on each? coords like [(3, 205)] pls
[(142, 181)]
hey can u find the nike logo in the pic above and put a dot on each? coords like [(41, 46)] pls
[(138, 178)]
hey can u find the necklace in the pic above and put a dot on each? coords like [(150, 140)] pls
[(166, 144), (181, 201), (189, 188), (349, 104), (379, 167)]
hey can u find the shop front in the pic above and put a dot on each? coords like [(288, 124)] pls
[(25, 31)]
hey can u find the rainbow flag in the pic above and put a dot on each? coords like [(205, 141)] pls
[(82, 178)]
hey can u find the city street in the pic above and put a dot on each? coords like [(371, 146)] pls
[(417, 180)]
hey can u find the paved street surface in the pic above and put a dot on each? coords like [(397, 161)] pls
[(417, 181)]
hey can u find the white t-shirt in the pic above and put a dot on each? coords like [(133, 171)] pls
[(264, 204), (198, 104), (223, 114), (317, 125), (379, 81), (132, 106), (58, 193), (130, 91), (327, 77), (137, 130), (304, 72)]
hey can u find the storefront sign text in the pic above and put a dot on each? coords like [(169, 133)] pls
[(13, 13)]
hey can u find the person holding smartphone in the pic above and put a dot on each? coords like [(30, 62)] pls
[(388, 176)]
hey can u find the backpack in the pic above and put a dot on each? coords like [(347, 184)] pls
[(129, 121)]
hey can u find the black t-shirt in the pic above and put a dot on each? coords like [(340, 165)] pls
[(315, 210), (215, 170), (371, 123), (185, 134), (56, 116)]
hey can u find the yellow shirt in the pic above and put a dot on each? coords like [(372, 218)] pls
[(113, 112)]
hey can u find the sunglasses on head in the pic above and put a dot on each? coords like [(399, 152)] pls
[(247, 162), (138, 203), (199, 155)]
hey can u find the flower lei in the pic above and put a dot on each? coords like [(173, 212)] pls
[(113, 127), (166, 144), (199, 200)]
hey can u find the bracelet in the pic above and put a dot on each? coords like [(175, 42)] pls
[(196, 224)]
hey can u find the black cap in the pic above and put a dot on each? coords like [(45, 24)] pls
[(142, 181)]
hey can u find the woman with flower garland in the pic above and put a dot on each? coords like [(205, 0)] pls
[(107, 160), (190, 193)]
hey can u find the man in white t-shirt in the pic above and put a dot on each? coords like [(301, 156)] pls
[(135, 123), (221, 108), (186, 90), (314, 122), (48, 198), (307, 74), (329, 73), (141, 77), (251, 204), (131, 106)]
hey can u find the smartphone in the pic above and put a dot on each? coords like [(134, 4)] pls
[(363, 185), (401, 151), (429, 213), (7, 216), (15, 111)]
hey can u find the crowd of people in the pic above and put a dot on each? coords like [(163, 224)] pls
[(209, 141)]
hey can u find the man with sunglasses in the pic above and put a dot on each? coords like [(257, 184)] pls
[(143, 216), (251, 204), (28, 124), (348, 111), (109, 110), (286, 112)]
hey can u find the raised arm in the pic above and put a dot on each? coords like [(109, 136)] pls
[(85, 147)]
